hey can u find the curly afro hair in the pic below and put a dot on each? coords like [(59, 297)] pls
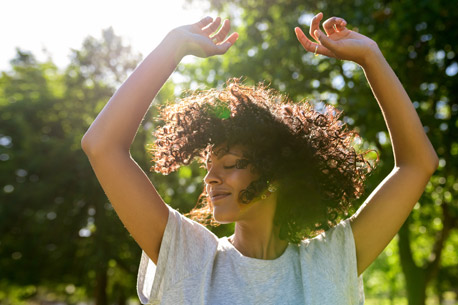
[(309, 154)]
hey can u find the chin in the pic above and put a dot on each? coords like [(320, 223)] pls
[(224, 217)]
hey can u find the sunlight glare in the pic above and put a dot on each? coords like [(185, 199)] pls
[(50, 28)]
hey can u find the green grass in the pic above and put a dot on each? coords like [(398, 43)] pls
[(403, 301), (397, 301)]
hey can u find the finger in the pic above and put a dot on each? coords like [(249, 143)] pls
[(311, 46), (232, 38), (222, 33), (326, 42), (204, 22), (341, 25), (314, 25), (212, 27), (223, 47), (333, 25)]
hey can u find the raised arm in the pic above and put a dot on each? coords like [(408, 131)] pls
[(381, 216), (108, 140)]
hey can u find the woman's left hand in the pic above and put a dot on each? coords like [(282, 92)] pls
[(338, 42), (205, 38)]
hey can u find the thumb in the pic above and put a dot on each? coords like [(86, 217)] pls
[(325, 40)]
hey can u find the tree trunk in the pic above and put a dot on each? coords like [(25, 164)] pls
[(101, 285), (416, 288), (418, 277), (415, 276), (122, 300), (100, 235)]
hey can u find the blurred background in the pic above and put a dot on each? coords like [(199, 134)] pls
[(60, 62)]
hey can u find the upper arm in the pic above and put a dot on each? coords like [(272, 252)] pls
[(385, 210), (134, 198)]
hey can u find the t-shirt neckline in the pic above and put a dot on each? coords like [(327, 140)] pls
[(255, 261)]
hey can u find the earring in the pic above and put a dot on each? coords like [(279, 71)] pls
[(272, 188), (263, 196)]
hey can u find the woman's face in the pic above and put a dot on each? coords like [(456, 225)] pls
[(223, 183)]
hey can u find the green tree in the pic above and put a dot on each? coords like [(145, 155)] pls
[(35, 199), (58, 229), (56, 224), (418, 38), (91, 78)]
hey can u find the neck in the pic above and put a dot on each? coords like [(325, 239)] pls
[(257, 237), (261, 245)]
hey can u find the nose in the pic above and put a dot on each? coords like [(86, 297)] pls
[(212, 176)]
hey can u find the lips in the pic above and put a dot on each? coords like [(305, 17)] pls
[(218, 195)]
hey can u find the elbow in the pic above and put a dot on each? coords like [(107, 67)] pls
[(430, 161), (88, 145), (434, 164), (85, 146), (425, 167), (95, 147), (431, 164)]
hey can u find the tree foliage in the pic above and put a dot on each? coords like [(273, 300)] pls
[(418, 38), (56, 224), (58, 231)]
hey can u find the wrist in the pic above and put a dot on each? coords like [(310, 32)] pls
[(371, 56), (175, 43)]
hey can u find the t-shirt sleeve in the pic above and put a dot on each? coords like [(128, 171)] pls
[(185, 248), (332, 255)]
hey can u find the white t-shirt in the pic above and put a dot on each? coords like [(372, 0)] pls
[(195, 267)]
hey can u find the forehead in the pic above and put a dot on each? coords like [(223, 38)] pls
[(223, 150)]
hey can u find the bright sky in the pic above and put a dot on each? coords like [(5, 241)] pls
[(59, 25)]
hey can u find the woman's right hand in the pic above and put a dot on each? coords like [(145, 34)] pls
[(199, 39)]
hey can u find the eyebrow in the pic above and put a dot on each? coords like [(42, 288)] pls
[(228, 153), (231, 153)]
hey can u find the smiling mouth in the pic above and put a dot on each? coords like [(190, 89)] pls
[(219, 197)]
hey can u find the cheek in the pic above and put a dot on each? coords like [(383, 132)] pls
[(241, 179)]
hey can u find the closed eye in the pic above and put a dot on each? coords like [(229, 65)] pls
[(229, 167)]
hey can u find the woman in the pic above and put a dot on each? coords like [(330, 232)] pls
[(268, 260)]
